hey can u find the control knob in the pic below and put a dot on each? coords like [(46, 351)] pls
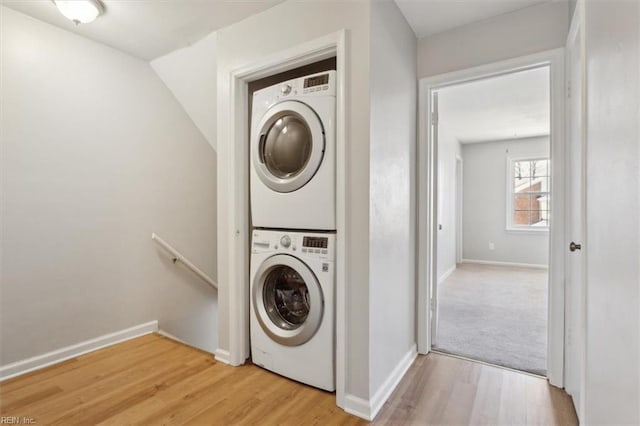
[(285, 89), (285, 241)]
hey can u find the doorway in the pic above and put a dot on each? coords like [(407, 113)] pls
[(492, 289), (492, 300)]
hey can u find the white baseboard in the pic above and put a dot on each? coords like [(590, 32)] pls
[(223, 356), (447, 274), (37, 362), (389, 385), (357, 406), (496, 263), (369, 409), (171, 336)]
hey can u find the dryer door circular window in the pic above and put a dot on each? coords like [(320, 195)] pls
[(289, 146), (287, 300)]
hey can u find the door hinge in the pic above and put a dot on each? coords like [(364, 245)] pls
[(569, 89), (434, 118), (432, 304)]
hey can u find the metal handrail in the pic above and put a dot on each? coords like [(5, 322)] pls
[(177, 257)]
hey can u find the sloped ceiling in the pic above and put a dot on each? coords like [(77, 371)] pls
[(149, 29)]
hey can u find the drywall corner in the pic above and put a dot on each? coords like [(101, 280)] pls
[(190, 74)]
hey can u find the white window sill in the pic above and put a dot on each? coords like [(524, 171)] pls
[(531, 231)]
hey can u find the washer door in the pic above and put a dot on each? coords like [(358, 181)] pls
[(289, 147), (287, 300)]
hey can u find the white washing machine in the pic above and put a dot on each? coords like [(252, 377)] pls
[(293, 154), (292, 305)]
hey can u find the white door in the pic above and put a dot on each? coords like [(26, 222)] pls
[(287, 299), (574, 333), (289, 146)]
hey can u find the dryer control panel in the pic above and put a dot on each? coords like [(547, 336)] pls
[(319, 84)]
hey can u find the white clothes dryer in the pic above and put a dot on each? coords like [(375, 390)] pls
[(292, 305), (293, 154)]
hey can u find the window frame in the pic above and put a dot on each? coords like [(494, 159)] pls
[(510, 227)]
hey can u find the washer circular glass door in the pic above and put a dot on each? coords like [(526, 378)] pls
[(287, 300), (289, 146)]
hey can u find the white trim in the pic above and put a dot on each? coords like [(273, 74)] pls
[(384, 392), (496, 263), (54, 357), (425, 218), (369, 409), (233, 160), (459, 208), (426, 189), (172, 337), (529, 231), (448, 273), (223, 356), (357, 406), (576, 31)]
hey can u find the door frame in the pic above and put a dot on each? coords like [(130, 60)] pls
[(427, 197), (576, 332), (233, 197), (459, 207)]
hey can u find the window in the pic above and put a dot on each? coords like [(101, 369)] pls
[(529, 194)]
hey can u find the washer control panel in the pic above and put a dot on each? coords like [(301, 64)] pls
[(316, 245), (300, 244)]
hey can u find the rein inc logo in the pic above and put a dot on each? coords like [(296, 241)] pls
[(17, 420)]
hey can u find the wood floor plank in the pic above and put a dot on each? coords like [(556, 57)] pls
[(119, 399), (86, 369), (156, 381), (38, 376)]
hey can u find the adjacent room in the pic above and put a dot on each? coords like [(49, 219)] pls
[(493, 219)]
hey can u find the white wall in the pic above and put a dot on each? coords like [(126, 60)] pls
[(281, 27), (534, 29), (484, 205), (392, 204), (96, 155), (448, 149), (612, 181), (190, 74)]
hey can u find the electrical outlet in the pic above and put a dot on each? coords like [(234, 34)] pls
[(492, 246)]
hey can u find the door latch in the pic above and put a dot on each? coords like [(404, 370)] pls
[(573, 246)]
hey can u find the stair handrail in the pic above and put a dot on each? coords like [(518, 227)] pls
[(177, 257)]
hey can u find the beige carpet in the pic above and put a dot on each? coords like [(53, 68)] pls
[(496, 314)]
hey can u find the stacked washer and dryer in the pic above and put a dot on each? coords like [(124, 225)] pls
[(292, 180)]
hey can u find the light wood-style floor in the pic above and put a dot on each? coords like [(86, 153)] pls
[(153, 380), (443, 390)]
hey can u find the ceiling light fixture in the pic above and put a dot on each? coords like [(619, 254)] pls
[(80, 11)]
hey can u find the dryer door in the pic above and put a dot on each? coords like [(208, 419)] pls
[(289, 146), (287, 300)]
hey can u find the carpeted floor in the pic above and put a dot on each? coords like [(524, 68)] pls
[(496, 314)]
